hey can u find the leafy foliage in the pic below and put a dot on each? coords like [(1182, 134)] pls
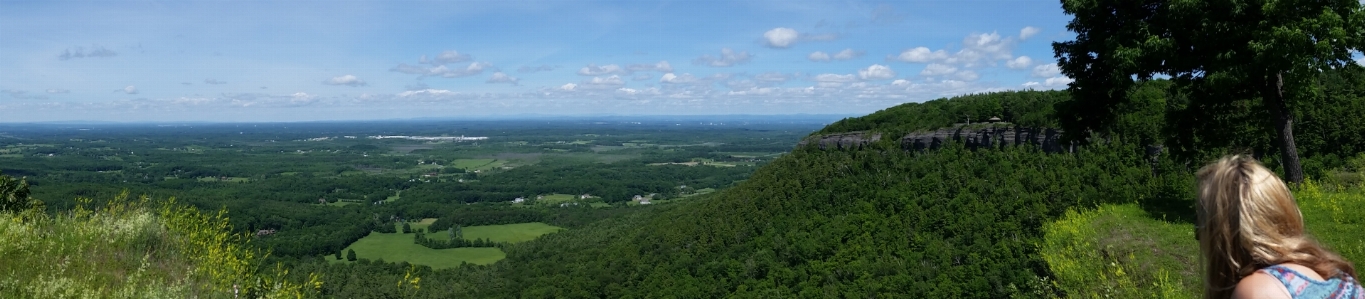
[(1025, 108), (1227, 55)]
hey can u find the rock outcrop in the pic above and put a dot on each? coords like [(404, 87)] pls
[(1046, 139), (842, 141)]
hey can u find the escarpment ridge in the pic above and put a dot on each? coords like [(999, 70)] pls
[(972, 136)]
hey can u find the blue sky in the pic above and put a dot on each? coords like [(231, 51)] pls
[(344, 60)]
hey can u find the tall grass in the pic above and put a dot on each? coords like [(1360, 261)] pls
[(133, 249), (1120, 251)]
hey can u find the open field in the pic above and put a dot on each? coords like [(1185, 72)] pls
[(420, 224), (399, 247)]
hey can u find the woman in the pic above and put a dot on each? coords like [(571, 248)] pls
[(1251, 235)]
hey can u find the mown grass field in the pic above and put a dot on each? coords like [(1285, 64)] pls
[(1120, 251), (399, 247), (423, 224)]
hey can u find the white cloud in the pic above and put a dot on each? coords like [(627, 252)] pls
[(662, 67), (1058, 81), (1051, 83), (1021, 62), (936, 69), (348, 80), (983, 46), (977, 49), (129, 89), (425, 92), (80, 52), (833, 80), (781, 37), (594, 70), (446, 57), (818, 56), (301, 98), (58, 90), (596, 83), (922, 55), (21, 94), (499, 77), (214, 81), (901, 82), (676, 79), (1028, 32), (847, 54), (438, 66), (1046, 70), (538, 68), (727, 58), (876, 72)]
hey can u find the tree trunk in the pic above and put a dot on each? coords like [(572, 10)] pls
[(1273, 95)]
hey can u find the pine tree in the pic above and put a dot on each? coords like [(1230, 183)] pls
[(350, 255), (406, 228)]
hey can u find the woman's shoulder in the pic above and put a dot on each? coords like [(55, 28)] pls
[(1293, 280), (1260, 285)]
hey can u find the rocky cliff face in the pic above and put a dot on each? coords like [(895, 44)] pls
[(841, 141), (973, 138)]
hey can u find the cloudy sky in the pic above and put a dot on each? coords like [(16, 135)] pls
[(343, 60)]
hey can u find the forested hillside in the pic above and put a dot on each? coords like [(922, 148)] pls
[(885, 221)]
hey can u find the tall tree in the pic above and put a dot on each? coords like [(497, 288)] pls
[(1232, 50)]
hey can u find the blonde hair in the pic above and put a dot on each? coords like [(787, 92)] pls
[(1248, 220)]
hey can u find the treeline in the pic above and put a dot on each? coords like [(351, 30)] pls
[(613, 182), (455, 241), (487, 216), (1025, 108)]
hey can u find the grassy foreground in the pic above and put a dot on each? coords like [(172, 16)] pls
[(1120, 251), (133, 249)]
